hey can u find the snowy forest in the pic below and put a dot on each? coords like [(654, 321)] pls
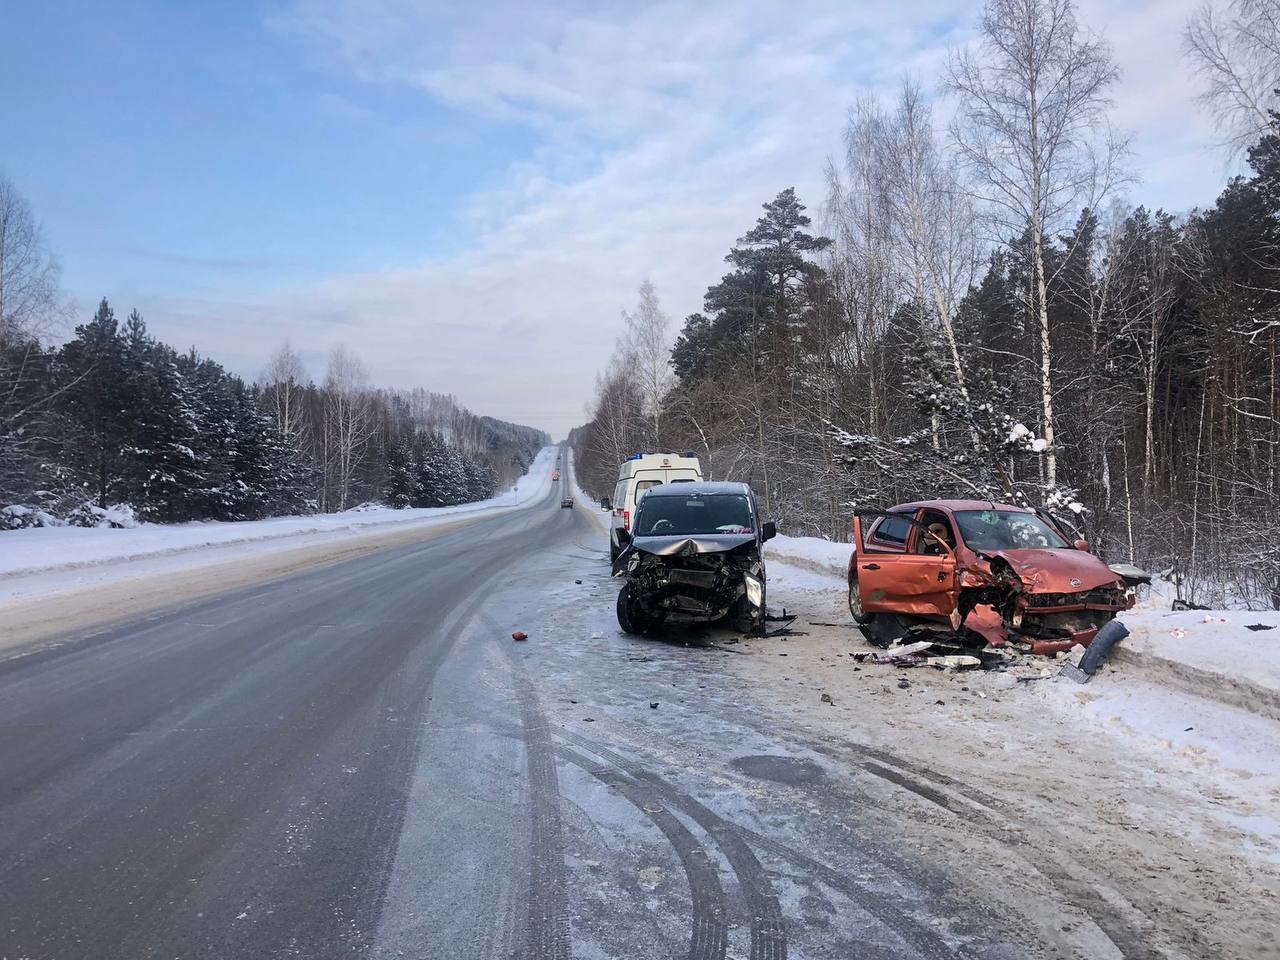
[(981, 307), (114, 426)]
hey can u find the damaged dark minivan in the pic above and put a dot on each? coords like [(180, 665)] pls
[(694, 555)]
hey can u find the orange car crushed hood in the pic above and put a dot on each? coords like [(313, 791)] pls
[(1058, 571)]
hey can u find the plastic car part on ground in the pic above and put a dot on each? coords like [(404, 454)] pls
[(922, 653), (1097, 652)]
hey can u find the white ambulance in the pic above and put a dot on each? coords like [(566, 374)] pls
[(635, 476)]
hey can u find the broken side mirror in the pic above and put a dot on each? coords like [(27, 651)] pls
[(1081, 544), (605, 504), (769, 530)]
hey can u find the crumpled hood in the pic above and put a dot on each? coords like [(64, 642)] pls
[(1052, 571), (686, 545)]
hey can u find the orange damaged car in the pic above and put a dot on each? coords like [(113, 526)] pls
[(995, 572)]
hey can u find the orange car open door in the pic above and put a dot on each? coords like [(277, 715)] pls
[(911, 583)]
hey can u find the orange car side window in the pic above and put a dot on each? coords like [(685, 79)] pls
[(891, 532)]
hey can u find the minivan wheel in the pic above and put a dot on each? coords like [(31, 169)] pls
[(860, 616), (630, 617), (747, 619)]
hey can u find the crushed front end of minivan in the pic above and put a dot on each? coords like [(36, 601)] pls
[(695, 558)]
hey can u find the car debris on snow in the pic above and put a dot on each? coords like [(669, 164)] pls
[(1021, 665), (955, 662), (1092, 657), (519, 635)]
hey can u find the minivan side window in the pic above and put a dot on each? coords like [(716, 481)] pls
[(892, 531), (643, 485)]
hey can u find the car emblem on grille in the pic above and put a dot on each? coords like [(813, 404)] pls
[(1075, 582)]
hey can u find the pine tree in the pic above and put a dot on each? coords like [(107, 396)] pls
[(95, 405), (402, 485)]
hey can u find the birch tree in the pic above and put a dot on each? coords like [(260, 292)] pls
[(30, 304), (648, 348), (1032, 131), (1235, 48), (349, 422), (860, 261), (934, 221), (282, 385)]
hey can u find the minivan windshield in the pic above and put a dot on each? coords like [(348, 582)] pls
[(694, 514), (1006, 530)]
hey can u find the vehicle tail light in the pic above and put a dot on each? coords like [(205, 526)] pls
[(626, 520)]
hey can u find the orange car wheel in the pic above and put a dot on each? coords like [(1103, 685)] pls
[(855, 602)]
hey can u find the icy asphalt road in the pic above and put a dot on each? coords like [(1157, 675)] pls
[(359, 762)]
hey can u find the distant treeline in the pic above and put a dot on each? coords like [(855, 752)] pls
[(115, 424)]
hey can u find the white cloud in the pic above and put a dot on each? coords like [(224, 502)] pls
[(662, 128)]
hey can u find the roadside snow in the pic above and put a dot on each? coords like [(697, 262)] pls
[(811, 553), (42, 551), (1216, 642)]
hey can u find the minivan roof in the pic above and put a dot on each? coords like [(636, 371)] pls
[(704, 486)]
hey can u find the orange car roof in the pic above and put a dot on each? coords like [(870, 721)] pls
[(954, 505)]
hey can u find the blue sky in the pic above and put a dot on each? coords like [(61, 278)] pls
[(467, 195), (168, 144)]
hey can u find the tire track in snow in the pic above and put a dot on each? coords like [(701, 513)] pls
[(547, 936), (1131, 942), (768, 930), (709, 937)]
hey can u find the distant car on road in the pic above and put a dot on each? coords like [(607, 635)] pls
[(997, 570), (566, 502), (555, 474), (694, 555)]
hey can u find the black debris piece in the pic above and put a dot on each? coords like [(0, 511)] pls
[(1097, 652), (1259, 626)]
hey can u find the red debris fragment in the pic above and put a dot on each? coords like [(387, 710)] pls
[(519, 635)]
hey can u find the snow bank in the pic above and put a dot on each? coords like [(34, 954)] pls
[(45, 549), (811, 553), (1211, 653)]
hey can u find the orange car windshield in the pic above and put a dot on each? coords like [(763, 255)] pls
[(988, 530)]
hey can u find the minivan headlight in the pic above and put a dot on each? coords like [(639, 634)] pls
[(755, 590)]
